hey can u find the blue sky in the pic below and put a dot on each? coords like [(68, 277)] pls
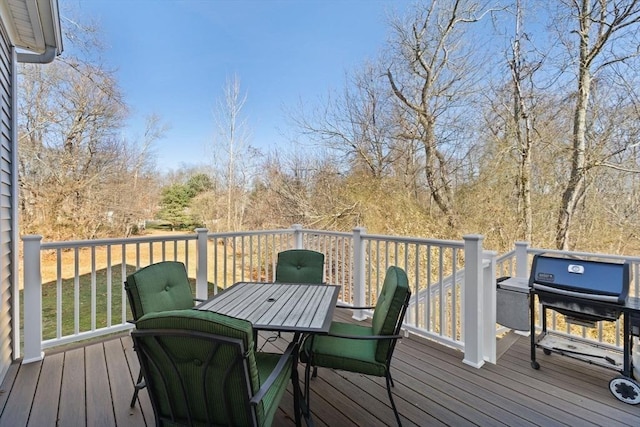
[(174, 57)]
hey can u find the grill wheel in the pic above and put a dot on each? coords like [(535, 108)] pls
[(625, 389)]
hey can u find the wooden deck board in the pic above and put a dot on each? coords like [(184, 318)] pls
[(551, 403), (18, 407), (99, 397), (447, 401), (560, 399), (576, 386), (592, 402), (338, 394), (45, 404), (468, 389), (120, 379), (92, 386), (7, 384), (72, 405), (491, 396)]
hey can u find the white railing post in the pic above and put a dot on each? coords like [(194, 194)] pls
[(297, 236), (522, 268), (32, 300), (473, 301), (522, 259), (201, 265), (490, 289), (359, 294)]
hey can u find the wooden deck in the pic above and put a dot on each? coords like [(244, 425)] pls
[(92, 386)]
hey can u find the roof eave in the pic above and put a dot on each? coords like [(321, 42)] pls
[(33, 26)]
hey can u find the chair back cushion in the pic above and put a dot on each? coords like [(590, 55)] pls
[(390, 308), (300, 266), (207, 380), (159, 287)]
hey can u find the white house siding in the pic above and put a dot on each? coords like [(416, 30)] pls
[(6, 201)]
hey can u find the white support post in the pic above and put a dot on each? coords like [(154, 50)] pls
[(359, 294), (490, 296), (522, 268), (201, 265), (32, 300), (473, 301), (522, 259), (297, 236)]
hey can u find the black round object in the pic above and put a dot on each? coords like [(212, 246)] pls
[(625, 390)]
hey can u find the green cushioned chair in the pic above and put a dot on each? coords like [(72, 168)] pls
[(201, 370), (300, 266), (155, 288), (364, 349)]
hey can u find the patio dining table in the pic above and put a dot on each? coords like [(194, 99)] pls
[(284, 307), (300, 308)]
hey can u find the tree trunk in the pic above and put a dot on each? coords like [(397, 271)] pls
[(524, 132), (576, 185)]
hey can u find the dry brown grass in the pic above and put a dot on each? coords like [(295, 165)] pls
[(84, 260)]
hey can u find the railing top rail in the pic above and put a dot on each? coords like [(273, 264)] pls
[(328, 233), (505, 256), (418, 240), (249, 233), (116, 241)]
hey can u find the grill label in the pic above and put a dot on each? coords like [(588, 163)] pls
[(575, 268), (547, 277)]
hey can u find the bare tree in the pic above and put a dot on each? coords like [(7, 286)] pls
[(433, 68), (523, 116), (297, 189), (76, 170), (357, 124), (70, 130), (139, 179), (233, 155), (607, 32)]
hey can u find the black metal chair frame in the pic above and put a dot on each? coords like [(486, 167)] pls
[(394, 339)]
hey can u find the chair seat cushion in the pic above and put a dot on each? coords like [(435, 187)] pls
[(356, 355)]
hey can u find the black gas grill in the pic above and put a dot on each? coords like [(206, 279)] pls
[(585, 292)]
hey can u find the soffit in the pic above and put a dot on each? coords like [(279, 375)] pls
[(33, 25)]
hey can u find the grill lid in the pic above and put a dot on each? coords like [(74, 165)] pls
[(586, 279)]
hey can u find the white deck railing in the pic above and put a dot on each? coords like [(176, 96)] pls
[(73, 290)]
